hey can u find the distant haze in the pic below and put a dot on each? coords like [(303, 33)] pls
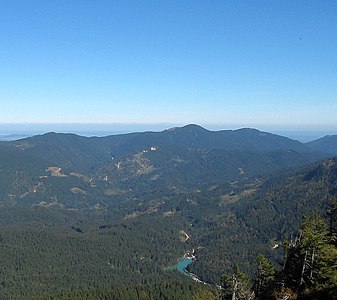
[(17, 131)]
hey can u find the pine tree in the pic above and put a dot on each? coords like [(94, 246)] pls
[(292, 266), (311, 262), (238, 286), (264, 277), (333, 221)]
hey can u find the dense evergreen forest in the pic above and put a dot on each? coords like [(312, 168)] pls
[(309, 266), (103, 218)]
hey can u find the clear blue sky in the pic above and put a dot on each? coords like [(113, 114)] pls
[(251, 63)]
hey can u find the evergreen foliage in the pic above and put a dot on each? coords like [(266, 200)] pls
[(309, 268), (170, 290), (102, 218), (238, 286), (333, 221), (264, 277), (311, 262)]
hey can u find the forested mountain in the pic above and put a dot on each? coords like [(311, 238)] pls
[(86, 154), (308, 270), (327, 144), (269, 214), (81, 172), (106, 216)]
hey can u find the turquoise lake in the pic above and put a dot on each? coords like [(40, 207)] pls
[(181, 265)]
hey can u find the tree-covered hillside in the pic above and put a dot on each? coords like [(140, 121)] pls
[(327, 144), (309, 269), (71, 171), (88, 217)]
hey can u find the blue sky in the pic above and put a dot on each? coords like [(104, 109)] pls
[(264, 64)]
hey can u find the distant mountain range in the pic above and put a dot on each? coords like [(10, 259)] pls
[(118, 209), (177, 159), (67, 149), (327, 144)]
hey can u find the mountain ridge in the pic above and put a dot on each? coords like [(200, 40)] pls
[(189, 135), (126, 199), (176, 160), (327, 144)]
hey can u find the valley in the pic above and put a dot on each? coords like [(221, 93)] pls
[(116, 211)]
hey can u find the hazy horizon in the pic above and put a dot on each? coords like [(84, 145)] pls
[(21, 130)]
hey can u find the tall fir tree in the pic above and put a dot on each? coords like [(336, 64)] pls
[(264, 277)]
